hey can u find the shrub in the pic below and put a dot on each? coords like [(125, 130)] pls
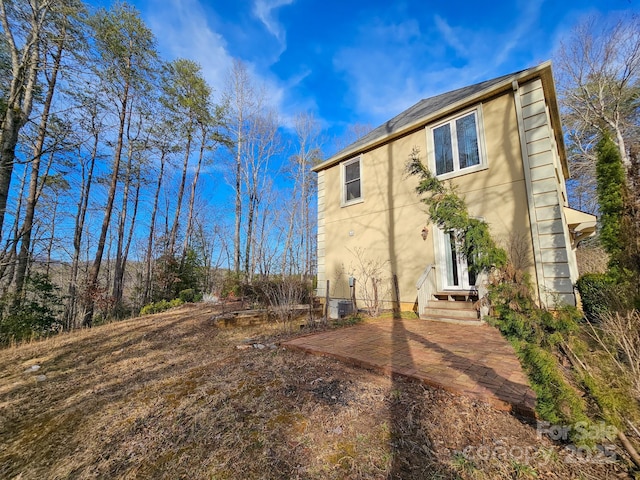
[(619, 336), (34, 316), (283, 295), (597, 291), (160, 306), (557, 402), (189, 296), (231, 285), (534, 333)]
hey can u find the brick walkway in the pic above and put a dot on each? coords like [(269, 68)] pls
[(469, 360)]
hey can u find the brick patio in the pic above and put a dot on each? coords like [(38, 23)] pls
[(469, 360)]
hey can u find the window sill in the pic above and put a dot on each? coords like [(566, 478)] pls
[(352, 202), (460, 173)]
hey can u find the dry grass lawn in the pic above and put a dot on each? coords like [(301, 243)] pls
[(171, 396)]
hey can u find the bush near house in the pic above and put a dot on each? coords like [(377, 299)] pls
[(597, 291), (536, 334)]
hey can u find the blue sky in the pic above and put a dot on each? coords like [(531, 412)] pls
[(362, 62)]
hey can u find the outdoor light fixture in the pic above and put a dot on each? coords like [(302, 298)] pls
[(425, 233)]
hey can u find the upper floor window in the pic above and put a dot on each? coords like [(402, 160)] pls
[(456, 144), (352, 181)]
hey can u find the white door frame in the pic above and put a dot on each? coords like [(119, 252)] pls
[(454, 272)]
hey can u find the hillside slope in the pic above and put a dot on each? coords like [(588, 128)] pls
[(171, 396)]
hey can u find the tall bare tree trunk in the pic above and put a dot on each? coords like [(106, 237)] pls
[(53, 234), (118, 271), (192, 195), (81, 214), (152, 229), (238, 204), (132, 225), (288, 238), (183, 180), (95, 268), (10, 253), (24, 71), (25, 244)]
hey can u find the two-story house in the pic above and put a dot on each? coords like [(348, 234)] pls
[(500, 143)]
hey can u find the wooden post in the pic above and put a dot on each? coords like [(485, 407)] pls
[(325, 320), (396, 290), (353, 297)]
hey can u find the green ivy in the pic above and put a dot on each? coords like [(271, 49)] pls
[(533, 332), (449, 211)]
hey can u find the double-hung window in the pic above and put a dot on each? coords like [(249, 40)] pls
[(352, 181), (456, 145)]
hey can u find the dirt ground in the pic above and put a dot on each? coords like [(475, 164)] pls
[(175, 395)]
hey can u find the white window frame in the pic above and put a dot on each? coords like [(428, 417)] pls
[(343, 181), (451, 120)]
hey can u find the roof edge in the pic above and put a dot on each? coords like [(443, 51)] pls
[(543, 70)]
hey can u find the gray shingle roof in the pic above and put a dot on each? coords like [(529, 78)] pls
[(423, 109), (429, 109)]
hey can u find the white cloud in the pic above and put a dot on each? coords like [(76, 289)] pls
[(450, 36), (388, 73), (183, 32), (385, 69), (264, 11), (524, 24)]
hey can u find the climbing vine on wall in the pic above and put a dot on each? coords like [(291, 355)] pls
[(449, 211)]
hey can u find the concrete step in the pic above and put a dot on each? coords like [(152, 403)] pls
[(457, 321), (457, 295), (467, 314), (453, 305)]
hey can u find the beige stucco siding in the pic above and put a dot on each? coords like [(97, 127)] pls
[(385, 228), (498, 194)]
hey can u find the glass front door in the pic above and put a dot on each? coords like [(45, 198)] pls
[(454, 264)]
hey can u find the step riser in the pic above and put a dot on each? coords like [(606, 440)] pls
[(456, 321), (450, 305), (455, 296), (452, 313)]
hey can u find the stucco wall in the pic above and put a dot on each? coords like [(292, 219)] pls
[(385, 229)]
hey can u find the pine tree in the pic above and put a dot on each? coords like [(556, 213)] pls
[(611, 192)]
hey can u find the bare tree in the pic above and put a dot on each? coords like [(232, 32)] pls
[(25, 246), (92, 124), (163, 142), (240, 97), (598, 69), (137, 143), (126, 46), (253, 131), (188, 97), (209, 138), (308, 154), (370, 274), (23, 25), (262, 144)]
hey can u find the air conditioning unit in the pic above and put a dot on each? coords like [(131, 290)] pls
[(340, 308)]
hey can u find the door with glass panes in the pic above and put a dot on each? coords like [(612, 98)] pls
[(454, 266)]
